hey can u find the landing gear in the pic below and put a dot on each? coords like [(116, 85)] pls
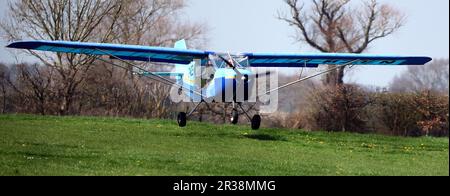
[(182, 119), (256, 122), (234, 117), (182, 116)]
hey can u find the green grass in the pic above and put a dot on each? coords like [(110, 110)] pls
[(35, 145)]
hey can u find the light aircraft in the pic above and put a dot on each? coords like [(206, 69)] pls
[(231, 73)]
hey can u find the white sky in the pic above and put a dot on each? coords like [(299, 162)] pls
[(251, 26)]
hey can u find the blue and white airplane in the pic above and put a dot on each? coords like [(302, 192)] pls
[(230, 72)]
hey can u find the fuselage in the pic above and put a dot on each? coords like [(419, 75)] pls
[(228, 87), (223, 85)]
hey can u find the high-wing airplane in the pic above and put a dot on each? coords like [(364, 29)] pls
[(231, 73)]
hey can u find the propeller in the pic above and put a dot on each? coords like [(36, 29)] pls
[(231, 63)]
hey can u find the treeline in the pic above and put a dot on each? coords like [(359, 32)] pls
[(69, 84), (104, 91), (354, 109), (415, 104), (110, 91)]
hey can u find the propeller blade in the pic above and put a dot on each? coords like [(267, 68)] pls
[(226, 61), (231, 64)]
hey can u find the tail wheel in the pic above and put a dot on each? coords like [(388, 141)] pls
[(256, 122), (234, 117), (182, 120)]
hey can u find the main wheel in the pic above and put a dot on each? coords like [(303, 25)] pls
[(234, 117), (256, 122), (182, 120)]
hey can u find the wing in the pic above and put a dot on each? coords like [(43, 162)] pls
[(314, 60), (125, 52)]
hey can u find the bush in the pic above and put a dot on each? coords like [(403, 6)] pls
[(411, 114), (351, 108), (394, 114), (338, 108), (433, 111)]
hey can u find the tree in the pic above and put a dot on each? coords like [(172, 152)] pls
[(4, 74), (333, 26), (433, 109), (36, 82), (63, 20), (434, 77), (154, 23), (338, 109), (143, 22)]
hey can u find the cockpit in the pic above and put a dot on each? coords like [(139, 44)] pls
[(218, 61)]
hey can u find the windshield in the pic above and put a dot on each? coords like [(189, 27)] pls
[(219, 63)]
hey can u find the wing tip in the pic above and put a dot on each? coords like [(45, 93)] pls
[(20, 45), (421, 60), (428, 59), (12, 45), (25, 44)]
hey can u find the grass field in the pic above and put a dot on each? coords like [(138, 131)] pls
[(35, 145)]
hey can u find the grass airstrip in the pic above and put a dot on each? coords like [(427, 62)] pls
[(48, 145)]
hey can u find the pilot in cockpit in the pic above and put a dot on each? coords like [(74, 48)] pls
[(207, 73)]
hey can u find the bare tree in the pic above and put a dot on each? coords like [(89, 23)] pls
[(63, 20), (35, 84), (73, 85), (434, 77), (154, 23), (334, 26), (4, 72)]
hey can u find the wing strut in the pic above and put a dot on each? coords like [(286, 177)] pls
[(125, 68), (149, 75), (309, 77)]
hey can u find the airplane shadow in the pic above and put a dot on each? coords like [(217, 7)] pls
[(266, 137)]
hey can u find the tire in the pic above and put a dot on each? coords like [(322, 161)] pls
[(256, 122), (182, 120), (234, 117)]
